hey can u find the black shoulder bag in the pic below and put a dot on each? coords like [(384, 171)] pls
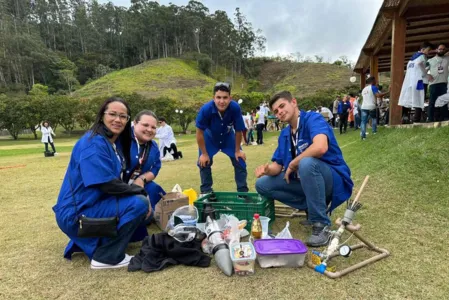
[(95, 227)]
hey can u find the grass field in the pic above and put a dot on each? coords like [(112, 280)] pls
[(406, 210)]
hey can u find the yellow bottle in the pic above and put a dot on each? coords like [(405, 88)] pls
[(256, 227)]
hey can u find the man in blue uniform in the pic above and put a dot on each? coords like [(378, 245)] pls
[(307, 169), (219, 127)]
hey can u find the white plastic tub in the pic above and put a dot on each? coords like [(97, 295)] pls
[(243, 256), (280, 253)]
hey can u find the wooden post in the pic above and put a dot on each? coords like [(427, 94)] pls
[(374, 67), (362, 79), (397, 67)]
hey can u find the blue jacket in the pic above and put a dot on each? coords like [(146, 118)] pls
[(312, 124), (93, 162), (219, 130), (343, 107)]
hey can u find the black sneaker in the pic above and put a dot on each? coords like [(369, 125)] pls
[(180, 154), (320, 235)]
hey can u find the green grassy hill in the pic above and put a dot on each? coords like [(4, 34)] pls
[(304, 79), (181, 79), (174, 78)]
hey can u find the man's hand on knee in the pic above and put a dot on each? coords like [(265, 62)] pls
[(204, 160)]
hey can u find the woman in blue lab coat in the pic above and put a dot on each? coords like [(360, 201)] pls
[(93, 187)]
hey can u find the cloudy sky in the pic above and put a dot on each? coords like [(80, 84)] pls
[(328, 28)]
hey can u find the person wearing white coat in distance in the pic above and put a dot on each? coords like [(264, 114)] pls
[(167, 141), (47, 136)]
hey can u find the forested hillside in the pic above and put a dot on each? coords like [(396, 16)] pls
[(65, 43)]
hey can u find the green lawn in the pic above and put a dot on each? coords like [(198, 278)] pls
[(406, 210)]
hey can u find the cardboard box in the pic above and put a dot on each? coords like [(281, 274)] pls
[(167, 205)]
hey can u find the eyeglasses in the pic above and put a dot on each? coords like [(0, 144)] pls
[(114, 115)]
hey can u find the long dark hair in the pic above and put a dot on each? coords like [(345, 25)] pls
[(124, 137)]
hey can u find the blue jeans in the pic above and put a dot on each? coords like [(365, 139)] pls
[(313, 191), (365, 117), (240, 175), (357, 121), (250, 138)]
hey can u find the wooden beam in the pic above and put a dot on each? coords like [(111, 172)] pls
[(388, 12), (374, 67), (426, 19), (403, 7), (431, 23), (367, 51), (397, 67), (362, 79), (383, 38), (419, 11), (429, 37), (409, 47), (388, 56), (442, 30)]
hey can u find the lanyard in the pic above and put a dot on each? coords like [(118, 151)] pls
[(142, 160), (120, 159), (143, 155), (294, 136)]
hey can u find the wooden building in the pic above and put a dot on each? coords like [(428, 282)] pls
[(400, 28)]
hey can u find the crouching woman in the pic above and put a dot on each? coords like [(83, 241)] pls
[(93, 187), (145, 161)]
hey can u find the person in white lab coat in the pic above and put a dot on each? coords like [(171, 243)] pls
[(47, 136), (167, 141), (413, 93)]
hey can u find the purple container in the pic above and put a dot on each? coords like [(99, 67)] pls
[(280, 253)]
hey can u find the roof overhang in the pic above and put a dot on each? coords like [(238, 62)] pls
[(427, 20)]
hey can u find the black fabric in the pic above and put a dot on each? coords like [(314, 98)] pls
[(259, 128), (52, 146), (343, 122), (161, 250), (121, 189), (169, 149), (292, 146)]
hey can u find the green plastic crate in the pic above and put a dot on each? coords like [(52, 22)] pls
[(243, 208)]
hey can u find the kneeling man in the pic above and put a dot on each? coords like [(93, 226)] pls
[(307, 169)]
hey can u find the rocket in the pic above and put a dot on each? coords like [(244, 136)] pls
[(220, 249)]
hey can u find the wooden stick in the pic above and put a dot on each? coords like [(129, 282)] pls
[(361, 189)]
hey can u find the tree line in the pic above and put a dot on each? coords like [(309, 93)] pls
[(27, 111), (65, 43)]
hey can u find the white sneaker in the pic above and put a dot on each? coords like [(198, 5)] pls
[(254, 144), (95, 265), (56, 153)]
